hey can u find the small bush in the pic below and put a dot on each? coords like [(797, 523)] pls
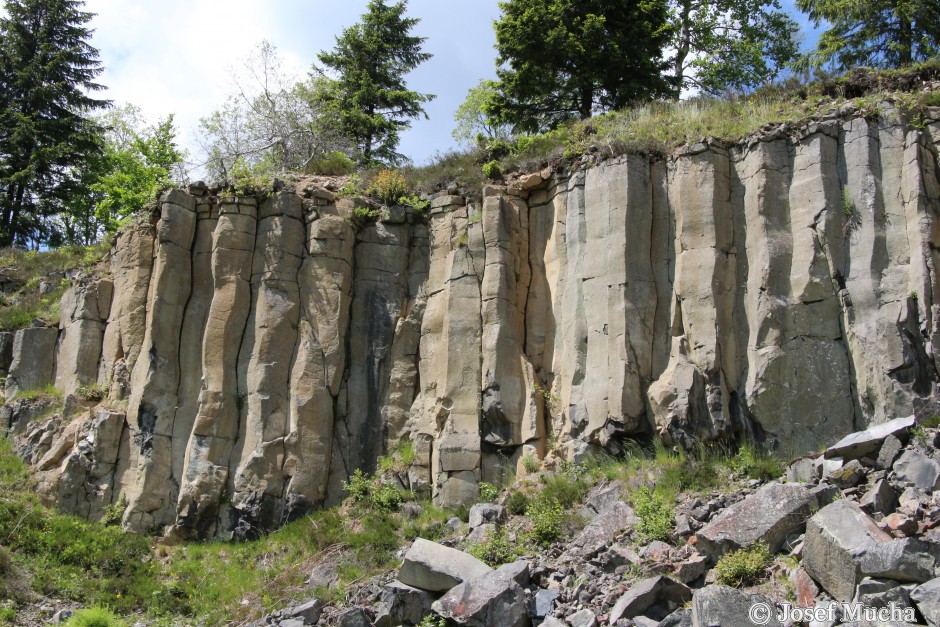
[(93, 617), (547, 517), (488, 492), (751, 461), (433, 621), (389, 186), (492, 170), (531, 463), (655, 514), (90, 393), (517, 503), (114, 512), (743, 567), (386, 498), (359, 485), (931, 422), (333, 164), (7, 614), (495, 549)]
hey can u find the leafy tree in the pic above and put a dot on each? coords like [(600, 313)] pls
[(473, 123), (47, 73), (564, 59), (371, 59), (137, 164), (724, 45), (272, 122), (874, 33)]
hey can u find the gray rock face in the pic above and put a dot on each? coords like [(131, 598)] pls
[(720, 605), (33, 364), (431, 566), (267, 347), (769, 515), (648, 592), (483, 513), (915, 468), (927, 598), (494, 598), (869, 441), (843, 545), (611, 521)]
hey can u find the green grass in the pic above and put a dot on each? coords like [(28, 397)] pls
[(19, 310), (659, 127), (94, 617), (743, 567)]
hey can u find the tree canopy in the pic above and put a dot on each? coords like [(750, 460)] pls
[(47, 73), (730, 45), (874, 33), (472, 121), (565, 59), (272, 122), (371, 59)]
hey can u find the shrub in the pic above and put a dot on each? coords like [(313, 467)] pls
[(743, 567), (90, 393), (359, 485), (495, 549), (7, 614), (389, 186), (433, 621), (488, 492), (517, 503), (386, 498), (531, 463), (655, 514), (751, 461), (94, 617), (492, 170), (546, 516), (333, 164)]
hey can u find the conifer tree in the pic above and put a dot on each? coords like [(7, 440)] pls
[(47, 73), (371, 59)]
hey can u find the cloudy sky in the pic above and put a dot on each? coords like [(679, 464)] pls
[(176, 56)]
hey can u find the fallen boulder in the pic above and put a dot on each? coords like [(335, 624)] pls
[(493, 598), (431, 566), (722, 605), (769, 515), (649, 592), (862, 443)]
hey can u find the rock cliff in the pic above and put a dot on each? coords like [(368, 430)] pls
[(255, 351)]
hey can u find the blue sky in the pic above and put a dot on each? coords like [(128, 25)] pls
[(175, 56)]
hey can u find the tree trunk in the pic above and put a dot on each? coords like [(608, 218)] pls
[(683, 44)]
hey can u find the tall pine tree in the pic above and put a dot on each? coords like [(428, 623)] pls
[(371, 59), (565, 59), (47, 73)]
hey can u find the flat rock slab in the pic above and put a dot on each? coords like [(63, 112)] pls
[(438, 568), (862, 443), (927, 599), (723, 606), (769, 515)]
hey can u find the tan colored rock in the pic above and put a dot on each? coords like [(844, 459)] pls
[(33, 364)]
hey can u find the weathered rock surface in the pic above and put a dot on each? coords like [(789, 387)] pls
[(494, 598), (434, 567), (265, 348), (769, 516)]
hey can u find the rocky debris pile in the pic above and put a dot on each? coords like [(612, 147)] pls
[(856, 527)]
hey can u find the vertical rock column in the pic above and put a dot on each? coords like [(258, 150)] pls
[(131, 267), (148, 485), (445, 417), (798, 383), (689, 400), (84, 311), (206, 466), (512, 406), (379, 292), (194, 326), (265, 364), (325, 282)]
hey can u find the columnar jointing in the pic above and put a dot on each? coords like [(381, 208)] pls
[(257, 351)]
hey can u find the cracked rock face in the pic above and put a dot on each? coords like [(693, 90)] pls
[(261, 350)]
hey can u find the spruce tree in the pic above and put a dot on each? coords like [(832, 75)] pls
[(371, 59), (565, 59), (47, 72)]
